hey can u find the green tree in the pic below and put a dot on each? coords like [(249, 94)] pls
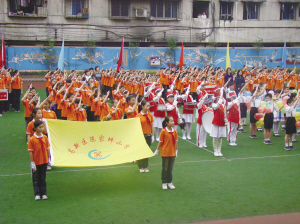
[(133, 52), (258, 45), (90, 45), (172, 45), (49, 53)]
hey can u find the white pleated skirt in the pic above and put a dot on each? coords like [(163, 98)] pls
[(189, 118), (158, 122), (218, 131)]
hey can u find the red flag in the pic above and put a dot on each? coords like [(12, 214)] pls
[(121, 56), (181, 57), (2, 54)]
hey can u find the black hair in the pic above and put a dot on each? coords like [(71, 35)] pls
[(290, 100), (143, 103), (277, 91), (77, 101), (69, 95), (72, 71), (115, 85), (269, 95), (293, 95), (113, 101), (165, 121), (68, 80), (33, 113), (97, 67), (129, 98), (36, 124)]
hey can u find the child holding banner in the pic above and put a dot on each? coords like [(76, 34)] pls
[(39, 152), (147, 126), (168, 143)]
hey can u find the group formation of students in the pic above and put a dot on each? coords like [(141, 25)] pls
[(271, 96)]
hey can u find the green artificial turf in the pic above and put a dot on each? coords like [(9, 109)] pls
[(252, 179)]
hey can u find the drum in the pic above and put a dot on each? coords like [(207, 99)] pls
[(190, 105), (161, 107), (207, 119), (3, 94)]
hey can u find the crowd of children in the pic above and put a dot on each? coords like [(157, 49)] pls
[(270, 94)]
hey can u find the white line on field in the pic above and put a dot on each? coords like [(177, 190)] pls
[(155, 164), (203, 148)]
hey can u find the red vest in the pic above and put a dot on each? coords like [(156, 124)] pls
[(200, 113), (173, 113), (152, 103), (234, 114), (158, 113), (185, 111), (219, 116)]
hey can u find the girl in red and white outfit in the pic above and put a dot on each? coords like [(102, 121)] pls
[(149, 96), (159, 115), (200, 131), (233, 118), (187, 114), (172, 109), (218, 129)]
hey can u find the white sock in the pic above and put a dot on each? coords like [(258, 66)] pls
[(286, 144), (290, 144), (183, 133), (220, 144), (215, 144), (157, 133)]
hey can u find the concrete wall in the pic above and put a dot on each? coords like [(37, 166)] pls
[(104, 28)]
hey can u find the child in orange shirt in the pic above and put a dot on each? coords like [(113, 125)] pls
[(147, 120), (81, 112), (131, 110), (34, 116), (47, 113), (168, 144), (28, 106), (115, 112), (39, 152), (17, 90)]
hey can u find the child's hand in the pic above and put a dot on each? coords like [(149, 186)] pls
[(156, 152)]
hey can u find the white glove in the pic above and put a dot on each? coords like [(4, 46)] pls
[(33, 166), (156, 152), (152, 139), (180, 120), (176, 152)]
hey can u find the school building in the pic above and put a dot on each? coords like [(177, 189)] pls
[(197, 23)]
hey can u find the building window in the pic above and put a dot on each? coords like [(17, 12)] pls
[(251, 10), (288, 11), (77, 9), (226, 10), (200, 9), (33, 8), (119, 8), (164, 9)]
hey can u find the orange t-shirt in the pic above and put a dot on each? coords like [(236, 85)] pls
[(146, 122), (2, 83), (131, 115), (85, 96), (104, 111), (219, 82), (98, 108), (168, 142), (64, 110), (81, 115), (117, 115), (292, 79), (48, 83), (141, 89), (6, 80), (29, 128), (39, 147), (17, 83), (194, 85), (58, 99), (71, 113), (49, 114), (278, 83), (27, 108), (270, 82)]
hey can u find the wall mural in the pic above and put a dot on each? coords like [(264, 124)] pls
[(33, 58)]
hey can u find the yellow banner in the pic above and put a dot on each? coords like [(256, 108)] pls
[(81, 144)]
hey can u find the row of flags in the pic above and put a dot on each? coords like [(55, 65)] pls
[(60, 63)]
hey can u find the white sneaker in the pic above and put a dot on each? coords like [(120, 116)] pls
[(164, 186), (37, 198), (171, 186), (232, 144), (220, 154), (183, 137), (201, 146), (142, 170), (216, 153), (44, 197), (146, 170), (48, 167), (205, 146), (189, 137)]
